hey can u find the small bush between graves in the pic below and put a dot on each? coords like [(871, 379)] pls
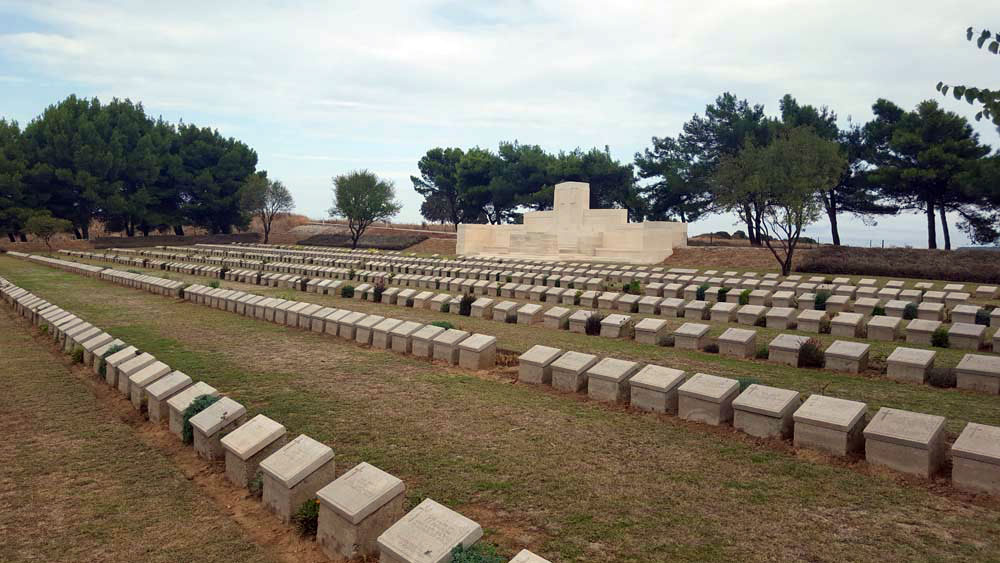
[(762, 352), (593, 325), (347, 291), (761, 322), (712, 348), (199, 404), (910, 312), (476, 553), (821, 298), (983, 316), (699, 294), (746, 382), (103, 369), (824, 326), (810, 354), (379, 290), (78, 355), (878, 311), (745, 297), (668, 341), (306, 518), (722, 294), (256, 486), (443, 324), (941, 377), (939, 338), (44, 329), (465, 305), (633, 287), (214, 284)]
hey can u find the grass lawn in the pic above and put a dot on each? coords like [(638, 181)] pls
[(79, 485), (571, 479)]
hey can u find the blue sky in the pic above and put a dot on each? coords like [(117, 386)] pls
[(321, 88)]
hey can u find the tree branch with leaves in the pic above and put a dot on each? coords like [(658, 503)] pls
[(989, 99), (265, 199)]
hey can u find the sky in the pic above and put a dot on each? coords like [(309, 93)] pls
[(323, 88)]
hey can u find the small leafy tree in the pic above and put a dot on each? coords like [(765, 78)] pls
[(363, 198), (45, 226), (266, 199), (200, 403)]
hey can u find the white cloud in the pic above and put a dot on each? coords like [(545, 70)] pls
[(319, 87)]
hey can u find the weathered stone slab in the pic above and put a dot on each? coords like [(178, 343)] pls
[(654, 388), (905, 441), (126, 369), (478, 351), (967, 336), (884, 328), (784, 349), (427, 534), (525, 556), (691, 336), (847, 356), (356, 509), (979, 373), (535, 365), (114, 360), (738, 343), (909, 364), (810, 320), (162, 389), (707, 398), (781, 318), (529, 314), (180, 401), (402, 336), (976, 459), (569, 371), (723, 312), (294, 473), (446, 345), (246, 446), (422, 342), (90, 347), (696, 310), (919, 331), (830, 424), (930, 311), (765, 412), (139, 381), (482, 308), (617, 326), (651, 331), (212, 424), (607, 380), (850, 325)]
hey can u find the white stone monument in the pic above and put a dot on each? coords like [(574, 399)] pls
[(573, 231)]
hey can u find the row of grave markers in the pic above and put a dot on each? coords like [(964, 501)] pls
[(974, 371), (905, 441), (361, 513)]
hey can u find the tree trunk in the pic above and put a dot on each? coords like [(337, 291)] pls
[(831, 213), (86, 232), (179, 230), (931, 235), (24, 237), (944, 228), (10, 235), (76, 233), (267, 232)]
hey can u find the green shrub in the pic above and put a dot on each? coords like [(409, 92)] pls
[(102, 368), (910, 311), (810, 354), (633, 287), (762, 352), (306, 518), (746, 382), (379, 290), (214, 284), (508, 279), (941, 377), (351, 274), (256, 486), (939, 338), (700, 293), (878, 311), (820, 301), (443, 324), (465, 305), (199, 404), (723, 291), (44, 329), (824, 326), (78, 355), (593, 324), (983, 317), (347, 291), (745, 297), (476, 553), (712, 348)]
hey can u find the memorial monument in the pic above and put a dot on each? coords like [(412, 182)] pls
[(573, 231)]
